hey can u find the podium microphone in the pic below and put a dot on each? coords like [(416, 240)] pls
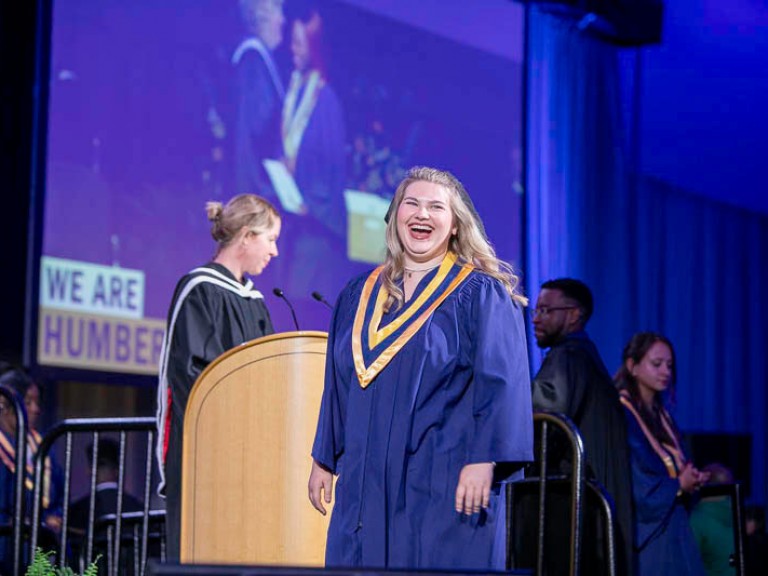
[(280, 294), (319, 297)]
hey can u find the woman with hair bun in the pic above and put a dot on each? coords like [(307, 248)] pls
[(214, 309)]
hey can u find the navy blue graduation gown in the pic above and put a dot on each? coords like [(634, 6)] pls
[(457, 393), (664, 539)]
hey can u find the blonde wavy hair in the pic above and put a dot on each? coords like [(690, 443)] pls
[(469, 243)]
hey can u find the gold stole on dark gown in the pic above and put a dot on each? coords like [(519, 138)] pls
[(8, 458), (372, 346), (672, 455)]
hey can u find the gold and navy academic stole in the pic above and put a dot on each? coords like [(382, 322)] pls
[(672, 456), (8, 458), (374, 347)]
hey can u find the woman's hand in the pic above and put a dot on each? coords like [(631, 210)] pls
[(320, 486), (474, 489), (691, 479)]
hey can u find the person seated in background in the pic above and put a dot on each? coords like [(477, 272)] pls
[(105, 499), (662, 477), (712, 524), (29, 393), (756, 541), (574, 381)]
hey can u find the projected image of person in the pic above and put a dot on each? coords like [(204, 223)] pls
[(214, 308), (426, 410), (259, 93), (313, 151), (662, 477), (29, 392)]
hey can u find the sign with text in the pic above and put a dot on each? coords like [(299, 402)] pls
[(92, 317), (86, 287)]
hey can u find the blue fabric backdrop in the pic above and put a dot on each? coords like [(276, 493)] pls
[(657, 258)]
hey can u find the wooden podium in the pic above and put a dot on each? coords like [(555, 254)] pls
[(248, 433)]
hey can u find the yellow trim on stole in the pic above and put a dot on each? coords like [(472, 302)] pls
[(365, 375), (376, 336), (8, 455)]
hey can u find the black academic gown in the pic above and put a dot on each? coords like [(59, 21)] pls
[(211, 312), (573, 381), (105, 503)]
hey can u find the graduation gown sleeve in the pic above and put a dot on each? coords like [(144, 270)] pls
[(501, 381), (328, 446)]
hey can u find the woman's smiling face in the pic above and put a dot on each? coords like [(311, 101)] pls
[(425, 222)]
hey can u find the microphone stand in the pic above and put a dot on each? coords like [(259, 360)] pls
[(280, 294), (319, 297)]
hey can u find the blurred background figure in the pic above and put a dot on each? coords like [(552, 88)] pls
[(756, 541), (105, 501), (29, 392), (662, 477), (259, 93), (313, 136)]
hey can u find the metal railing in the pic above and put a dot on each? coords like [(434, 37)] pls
[(96, 427), (544, 480), (18, 499)]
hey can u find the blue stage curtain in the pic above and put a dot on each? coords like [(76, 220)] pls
[(657, 258)]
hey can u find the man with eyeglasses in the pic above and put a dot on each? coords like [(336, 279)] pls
[(574, 381)]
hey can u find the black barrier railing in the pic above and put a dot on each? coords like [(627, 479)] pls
[(96, 427), (18, 499), (603, 502), (609, 524), (133, 522), (547, 484), (543, 420)]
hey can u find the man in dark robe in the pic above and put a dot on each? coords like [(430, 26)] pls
[(574, 381)]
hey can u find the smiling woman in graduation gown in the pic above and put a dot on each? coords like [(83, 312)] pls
[(214, 309), (426, 410)]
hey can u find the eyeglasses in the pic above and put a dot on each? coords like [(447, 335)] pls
[(544, 310)]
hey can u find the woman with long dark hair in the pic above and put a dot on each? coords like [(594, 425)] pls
[(662, 476)]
